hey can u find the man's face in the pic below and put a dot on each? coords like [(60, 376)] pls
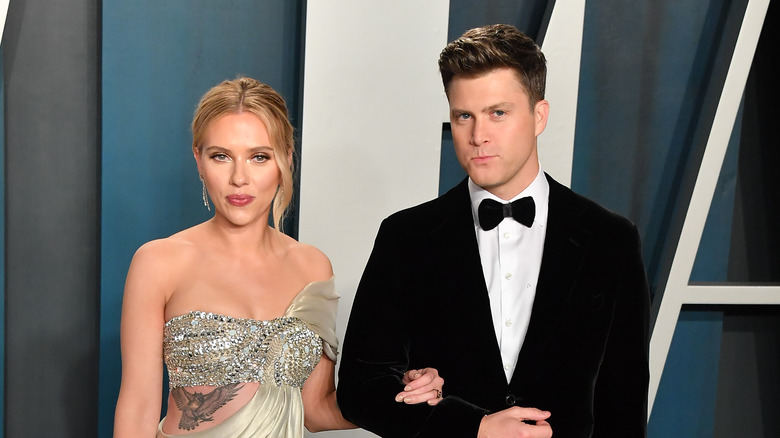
[(494, 130)]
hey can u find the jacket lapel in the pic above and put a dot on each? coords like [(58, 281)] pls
[(565, 246), (460, 271)]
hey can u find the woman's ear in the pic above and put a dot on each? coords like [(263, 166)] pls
[(196, 154)]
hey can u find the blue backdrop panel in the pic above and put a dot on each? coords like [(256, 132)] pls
[(450, 170), (646, 76), (530, 16), (651, 74), (685, 405), (158, 59)]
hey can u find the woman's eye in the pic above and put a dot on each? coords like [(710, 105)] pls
[(220, 157), (260, 158)]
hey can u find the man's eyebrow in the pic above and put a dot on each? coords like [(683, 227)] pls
[(487, 109), (499, 105)]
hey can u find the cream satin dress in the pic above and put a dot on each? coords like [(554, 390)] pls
[(202, 348)]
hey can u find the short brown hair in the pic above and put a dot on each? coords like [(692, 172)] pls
[(484, 49), (246, 94)]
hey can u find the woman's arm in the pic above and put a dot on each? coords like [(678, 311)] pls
[(321, 412), (141, 335)]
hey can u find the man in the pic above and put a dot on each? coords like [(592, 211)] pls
[(535, 312)]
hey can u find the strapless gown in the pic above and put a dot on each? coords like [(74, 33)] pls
[(202, 348)]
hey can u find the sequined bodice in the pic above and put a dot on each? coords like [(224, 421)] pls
[(203, 348)]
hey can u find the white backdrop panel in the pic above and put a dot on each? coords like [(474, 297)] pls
[(371, 132)]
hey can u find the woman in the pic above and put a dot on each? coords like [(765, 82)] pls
[(242, 315)]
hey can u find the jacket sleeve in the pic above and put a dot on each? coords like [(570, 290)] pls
[(376, 354), (620, 399)]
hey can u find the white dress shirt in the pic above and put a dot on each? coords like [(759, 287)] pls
[(511, 256)]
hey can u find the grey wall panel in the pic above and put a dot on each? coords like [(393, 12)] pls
[(52, 185), (2, 249), (748, 381), (755, 237), (748, 378)]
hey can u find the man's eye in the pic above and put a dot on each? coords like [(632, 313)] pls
[(498, 113), (464, 116)]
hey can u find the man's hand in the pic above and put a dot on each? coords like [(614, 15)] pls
[(510, 423), (423, 385)]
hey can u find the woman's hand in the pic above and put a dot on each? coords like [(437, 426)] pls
[(423, 385)]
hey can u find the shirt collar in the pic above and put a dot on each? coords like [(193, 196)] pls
[(539, 190)]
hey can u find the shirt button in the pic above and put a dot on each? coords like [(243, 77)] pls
[(527, 286), (506, 367), (507, 235), (508, 275), (508, 323)]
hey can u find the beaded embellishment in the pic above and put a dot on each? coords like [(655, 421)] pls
[(203, 348)]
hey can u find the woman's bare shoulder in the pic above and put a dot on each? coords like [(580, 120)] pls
[(310, 261), (166, 249), (167, 254)]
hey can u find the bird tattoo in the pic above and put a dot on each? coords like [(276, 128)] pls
[(197, 407)]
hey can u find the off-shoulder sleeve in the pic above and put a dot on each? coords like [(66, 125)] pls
[(316, 305)]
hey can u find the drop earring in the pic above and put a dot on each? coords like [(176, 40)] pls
[(205, 195)]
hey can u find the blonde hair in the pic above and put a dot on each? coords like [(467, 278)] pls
[(246, 94)]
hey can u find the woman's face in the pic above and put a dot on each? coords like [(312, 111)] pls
[(237, 163)]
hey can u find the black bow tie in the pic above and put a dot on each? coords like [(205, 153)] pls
[(491, 212)]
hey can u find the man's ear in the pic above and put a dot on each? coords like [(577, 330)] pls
[(541, 111)]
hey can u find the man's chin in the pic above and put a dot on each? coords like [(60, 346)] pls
[(485, 183)]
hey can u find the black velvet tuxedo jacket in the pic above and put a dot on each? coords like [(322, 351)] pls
[(422, 302)]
